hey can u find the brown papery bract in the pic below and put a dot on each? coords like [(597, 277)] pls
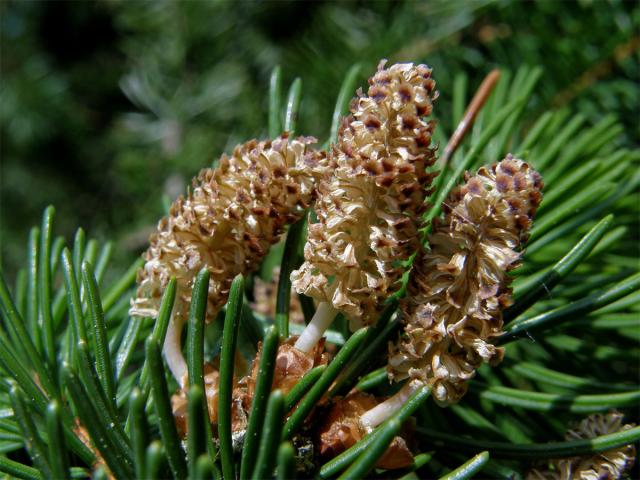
[(240, 403), (458, 289), (340, 428), (370, 207), (290, 366)]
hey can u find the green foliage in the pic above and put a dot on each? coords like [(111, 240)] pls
[(126, 101), (73, 365)]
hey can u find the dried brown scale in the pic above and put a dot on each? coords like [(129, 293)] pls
[(99, 463), (227, 222), (608, 465), (339, 428), (290, 366), (369, 210), (239, 400), (458, 289)]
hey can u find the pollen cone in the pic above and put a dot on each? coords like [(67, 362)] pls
[(226, 223), (370, 207), (458, 289)]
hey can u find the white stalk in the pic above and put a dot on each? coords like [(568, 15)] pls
[(173, 352), (317, 326), (378, 414)]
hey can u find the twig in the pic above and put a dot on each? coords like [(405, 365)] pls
[(469, 117)]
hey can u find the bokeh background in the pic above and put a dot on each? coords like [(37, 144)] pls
[(107, 107)]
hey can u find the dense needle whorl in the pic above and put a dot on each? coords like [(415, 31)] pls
[(228, 221), (369, 207), (458, 289)]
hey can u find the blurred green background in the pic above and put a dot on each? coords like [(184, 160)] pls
[(106, 106)]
